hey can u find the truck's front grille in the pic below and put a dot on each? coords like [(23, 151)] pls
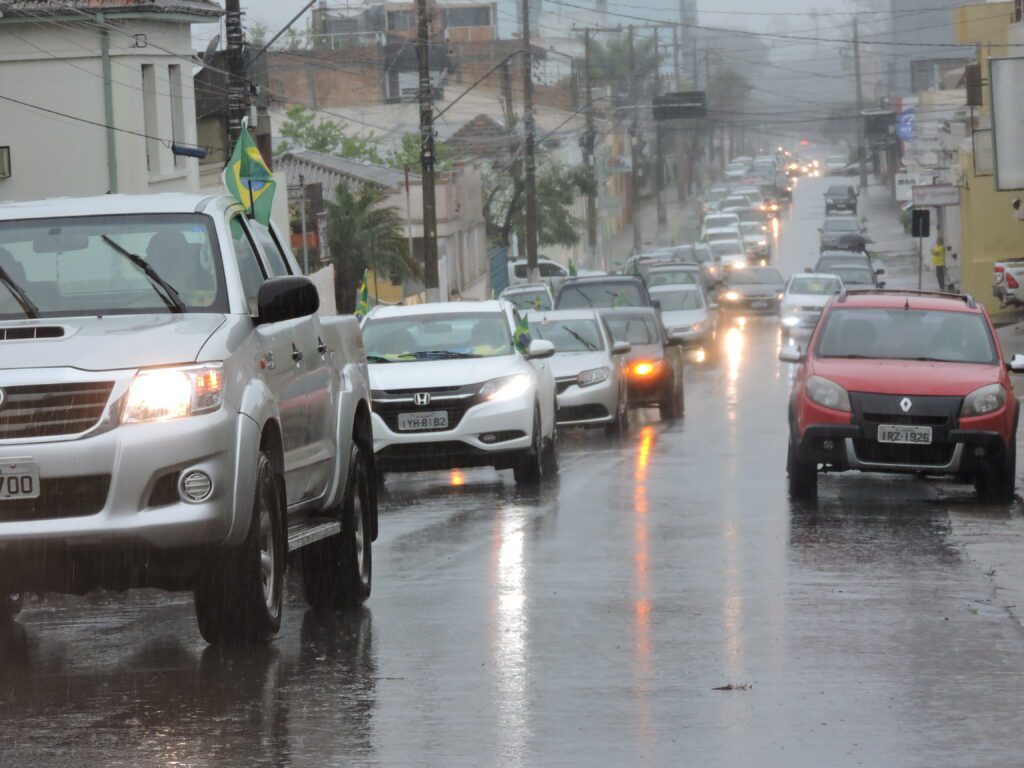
[(52, 410), (59, 497)]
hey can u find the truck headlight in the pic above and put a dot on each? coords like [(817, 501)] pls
[(162, 394), (827, 393), (591, 377), (506, 387), (984, 400)]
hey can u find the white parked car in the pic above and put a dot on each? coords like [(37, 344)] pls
[(722, 233), (686, 313), (452, 388), (730, 254), (755, 238), (589, 369), (551, 272), (805, 297), (529, 297), (718, 221)]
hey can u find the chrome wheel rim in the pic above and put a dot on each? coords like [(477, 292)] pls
[(268, 556), (359, 535)]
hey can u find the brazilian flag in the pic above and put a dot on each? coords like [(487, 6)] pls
[(572, 269), (363, 302), (248, 179), (521, 335)]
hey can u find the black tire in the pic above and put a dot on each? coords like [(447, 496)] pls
[(551, 466), (997, 484), (803, 475), (240, 593), (337, 572), (620, 426), (680, 399), (668, 406), (529, 467)]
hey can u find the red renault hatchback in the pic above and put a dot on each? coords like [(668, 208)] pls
[(903, 381)]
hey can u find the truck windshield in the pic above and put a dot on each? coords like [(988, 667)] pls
[(108, 265), (437, 337), (907, 334)]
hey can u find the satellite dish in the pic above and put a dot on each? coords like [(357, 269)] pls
[(211, 49)]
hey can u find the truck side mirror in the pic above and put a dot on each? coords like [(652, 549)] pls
[(286, 298)]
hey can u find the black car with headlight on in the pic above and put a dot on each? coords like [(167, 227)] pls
[(752, 290)]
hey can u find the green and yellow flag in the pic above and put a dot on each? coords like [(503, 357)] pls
[(248, 179), (521, 335), (572, 269), (363, 302)]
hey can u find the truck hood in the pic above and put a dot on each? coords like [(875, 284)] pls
[(571, 363), (442, 373), (906, 377), (112, 342)]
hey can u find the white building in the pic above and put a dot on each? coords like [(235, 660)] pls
[(94, 94)]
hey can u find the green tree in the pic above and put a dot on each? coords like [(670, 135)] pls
[(302, 131), (409, 154), (609, 61), (362, 233)]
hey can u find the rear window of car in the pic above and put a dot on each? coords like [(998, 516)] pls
[(600, 295), (907, 334)]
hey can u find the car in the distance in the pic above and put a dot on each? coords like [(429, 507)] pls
[(730, 255), (1007, 279), (529, 297), (719, 221), (829, 259), (805, 297), (603, 291), (903, 382), (589, 369), (453, 387), (655, 363), (840, 198), (732, 232), (675, 274), (686, 313), (857, 276), (752, 290), (755, 238), (835, 165), (835, 227)]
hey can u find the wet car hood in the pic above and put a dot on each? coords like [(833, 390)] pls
[(565, 364), (112, 342), (906, 377), (678, 317), (442, 373)]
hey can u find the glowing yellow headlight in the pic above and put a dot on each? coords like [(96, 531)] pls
[(162, 394)]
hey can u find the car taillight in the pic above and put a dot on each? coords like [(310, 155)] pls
[(1011, 281)]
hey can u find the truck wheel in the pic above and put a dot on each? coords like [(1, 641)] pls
[(803, 475), (529, 467), (337, 572), (239, 595)]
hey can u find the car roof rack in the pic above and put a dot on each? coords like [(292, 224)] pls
[(966, 298)]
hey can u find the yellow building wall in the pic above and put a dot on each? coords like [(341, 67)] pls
[(989, 232), (382, 290)]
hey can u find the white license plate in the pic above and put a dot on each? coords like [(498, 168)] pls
[(758, 304), (409, 422), (19, 481), (895, 433)]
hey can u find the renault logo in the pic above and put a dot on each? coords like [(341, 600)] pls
[(420, 398), (906, 404)]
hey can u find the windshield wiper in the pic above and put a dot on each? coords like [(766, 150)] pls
[(588, 344), (27, 306), (441, 354), (167, 292), (377, 359)]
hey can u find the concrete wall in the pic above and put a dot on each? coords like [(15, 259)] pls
[(59, 68)]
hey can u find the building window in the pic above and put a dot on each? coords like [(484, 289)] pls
[(468, 17), (149, 119), (5, 162), (177, 111), (401, 21)]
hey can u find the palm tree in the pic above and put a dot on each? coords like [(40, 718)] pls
[(364, 234)]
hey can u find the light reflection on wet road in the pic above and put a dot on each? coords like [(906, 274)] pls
[(583, 624)]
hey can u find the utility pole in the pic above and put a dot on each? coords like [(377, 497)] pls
[(302, 213), (659, 171), (588, 148), (238, 88), (426, 100), (530, 177), (634, 160), (861, 151)]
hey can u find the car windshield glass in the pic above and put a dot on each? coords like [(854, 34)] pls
[(590, 295), (842, 225), (109, 265), (727, 248), (750, 214), (675, 277), (814, 286), (529, 300), (635, 330), (756, 277), (569, 335), (854, 275), (677, 300), (907, 334), (427, 337)]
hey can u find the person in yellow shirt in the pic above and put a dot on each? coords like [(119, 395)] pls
[(939, 262)]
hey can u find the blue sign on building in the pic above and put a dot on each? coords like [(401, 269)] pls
[(905, 125)]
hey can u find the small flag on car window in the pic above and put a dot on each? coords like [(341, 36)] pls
[(363, 300)]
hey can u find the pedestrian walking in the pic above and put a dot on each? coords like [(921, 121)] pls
[(939, 262)]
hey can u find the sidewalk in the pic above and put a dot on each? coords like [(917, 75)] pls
[(682, 225), (893, 249)]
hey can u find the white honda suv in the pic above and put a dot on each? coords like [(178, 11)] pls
[(455, 385)]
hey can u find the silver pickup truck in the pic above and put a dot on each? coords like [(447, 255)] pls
[(175, 414)]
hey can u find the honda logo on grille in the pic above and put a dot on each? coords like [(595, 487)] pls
[(906, 404), (421, 398)]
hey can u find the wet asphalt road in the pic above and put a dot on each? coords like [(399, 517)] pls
[(583, 624)]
